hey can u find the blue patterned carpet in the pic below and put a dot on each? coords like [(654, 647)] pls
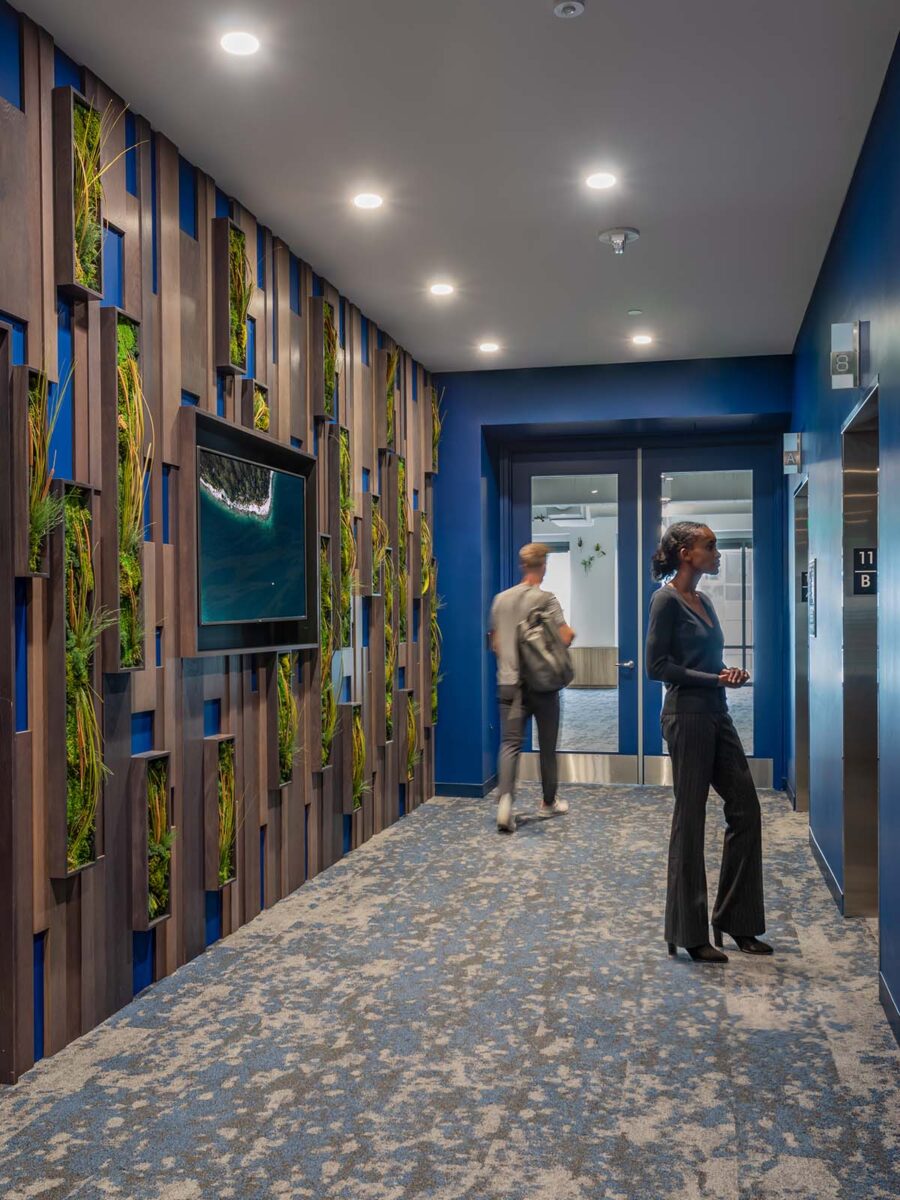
[(454, 1013)]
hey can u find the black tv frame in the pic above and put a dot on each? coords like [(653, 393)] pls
[(204, 431)]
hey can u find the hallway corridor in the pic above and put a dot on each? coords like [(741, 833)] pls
[(451, 1013)]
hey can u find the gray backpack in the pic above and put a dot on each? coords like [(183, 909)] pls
[(545, 664)]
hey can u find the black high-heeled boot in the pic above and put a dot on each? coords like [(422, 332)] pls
[(746, 945), (704, 953)]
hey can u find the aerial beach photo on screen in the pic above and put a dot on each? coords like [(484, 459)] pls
[(251, 541)]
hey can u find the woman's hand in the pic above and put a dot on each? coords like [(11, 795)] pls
[(733, 677)]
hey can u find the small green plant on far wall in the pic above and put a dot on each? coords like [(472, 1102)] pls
[(85, 769), (390, 645), (359, 758), (90, 133), (391, 388), (348, 541), (227, 813), (437, 424), (159, 838), (403, 543), (588, 562), (426, 556), (326, 653), (381, 537), (134, 463), (413, 750), (435, 645), (240, 291), (260, 410), (331, 357), (45, 510), (288, 717)]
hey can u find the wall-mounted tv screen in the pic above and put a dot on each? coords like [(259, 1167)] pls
[(251, 541)]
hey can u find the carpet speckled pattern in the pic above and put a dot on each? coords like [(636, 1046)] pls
[(454, 1013)]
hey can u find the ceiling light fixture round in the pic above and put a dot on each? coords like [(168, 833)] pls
[(368, 200), (488, 347), (635, 312), (642, 339), (568, 9), (239, 43), (601, 180), (442, 289)]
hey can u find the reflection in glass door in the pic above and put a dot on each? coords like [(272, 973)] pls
[(723, 500), (577, 518)]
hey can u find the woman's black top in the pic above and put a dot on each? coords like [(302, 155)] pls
[(685, 653)]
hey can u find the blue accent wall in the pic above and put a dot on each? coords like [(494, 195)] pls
[(223, 204), (318, 288), (159, 645), (251, 348), (66, 72), (366, 620), (364, 340), (342, 321), (402, 800), (131, 154), (212, 717), (10, 55), (143, 945), (62, 441), (348, 833), (295, 284), (262, 867), (113, 267), (859, 280), (21, 642), (261, 257), (141, 732), (213, 917), (220, 395), (189, 398), (40, 948), (187, 197), (487, 408)]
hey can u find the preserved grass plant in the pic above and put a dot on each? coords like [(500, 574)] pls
[(331, 356), (381, 537), (134, 462), (326, 653), (413, 750), (402, 550), (359, 758), (227, 813), (90, 133), (435, 645), (391, 381), (390, 645), (159, 838), (261, 414), (45, 510), (437, 424), (85, 622), (426, 549), (348, 542), (288, 717), (240, 291)]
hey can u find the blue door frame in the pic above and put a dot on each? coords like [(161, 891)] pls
[(770, 611)]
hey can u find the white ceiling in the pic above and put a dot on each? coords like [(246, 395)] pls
[(734, 126)]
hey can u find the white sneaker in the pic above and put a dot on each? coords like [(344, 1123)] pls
[(558, 806), (505, 822)]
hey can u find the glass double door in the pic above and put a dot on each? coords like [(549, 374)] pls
[(601, 517)]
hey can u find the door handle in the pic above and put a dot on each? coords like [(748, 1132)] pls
[(630, 663)]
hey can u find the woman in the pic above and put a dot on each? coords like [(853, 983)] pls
[(684, 650)]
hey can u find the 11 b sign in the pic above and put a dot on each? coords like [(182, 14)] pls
[(865, 571)]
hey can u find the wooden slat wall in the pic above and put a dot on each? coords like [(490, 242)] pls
[(86, 920)]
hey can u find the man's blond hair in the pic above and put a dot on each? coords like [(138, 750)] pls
[(533, 556)]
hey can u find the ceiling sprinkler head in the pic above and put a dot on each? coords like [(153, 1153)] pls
[(568, 8), (618, 238)]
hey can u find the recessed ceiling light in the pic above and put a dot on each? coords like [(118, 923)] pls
[(240, 43), (488, 347), (442, 289), (642, 339), (594, 491), (368, 200), (635, 312), (600, 180), (568, 9)]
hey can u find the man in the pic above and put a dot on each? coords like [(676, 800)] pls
[(517, 703)]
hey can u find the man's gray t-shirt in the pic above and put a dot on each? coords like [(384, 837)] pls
[(508, 609)]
